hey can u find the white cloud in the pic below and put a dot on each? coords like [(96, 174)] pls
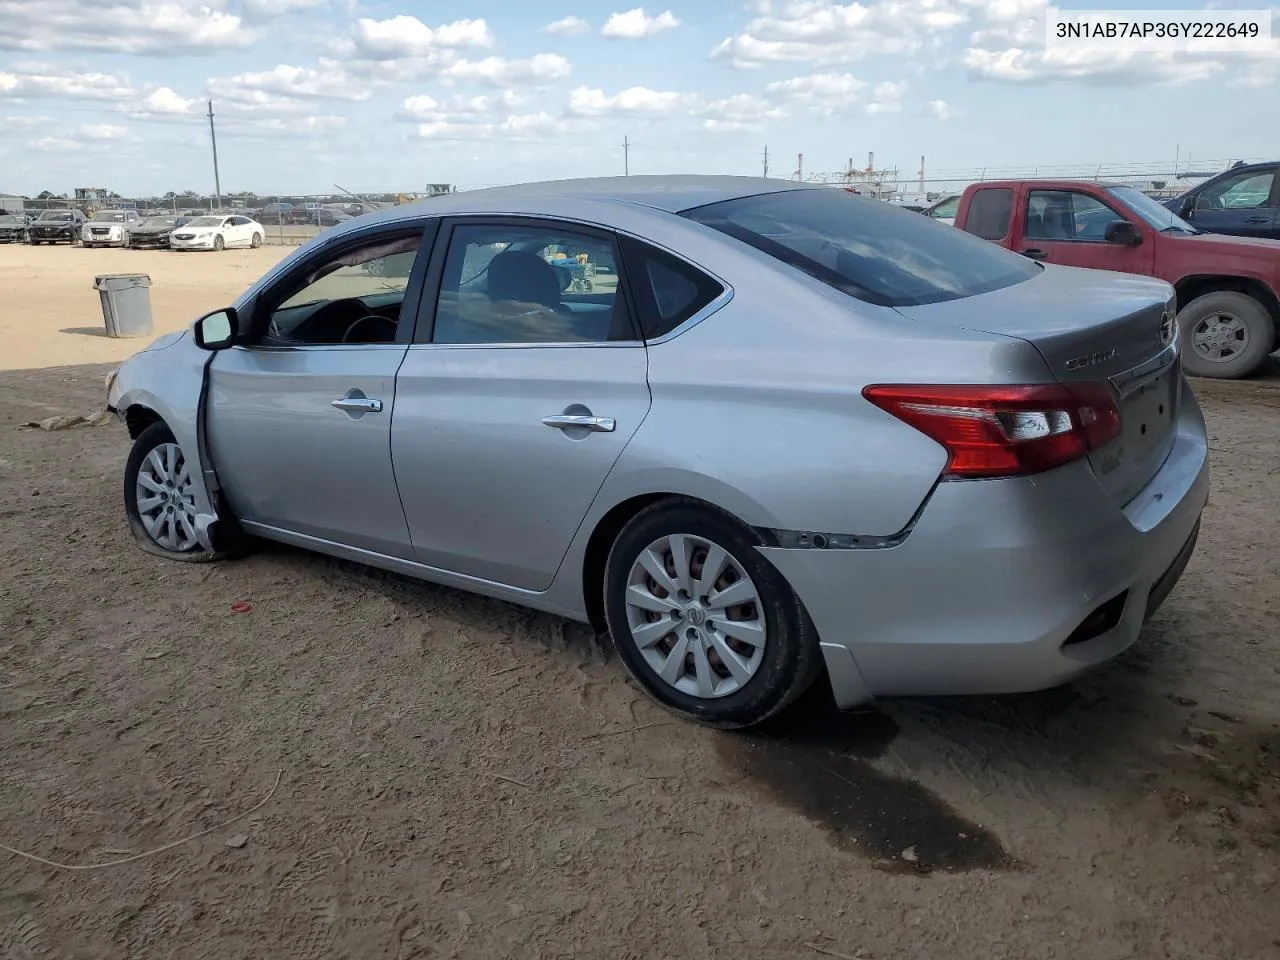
[(55, 144), (24, 123), (406, 36), (260, 10), (293, 83), (940, 110), (837, 94), (103, 131), (514, 127), (588, 102), (740, 112), (824, 32), (157, 27), (164, 101), (62, 80), (430, 110), (539, 69), (636, 24), (567, 27), (286, 126)]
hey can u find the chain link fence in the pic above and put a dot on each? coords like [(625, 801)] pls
[(294, 219)]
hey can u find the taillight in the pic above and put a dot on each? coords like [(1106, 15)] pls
[(1005, 431)]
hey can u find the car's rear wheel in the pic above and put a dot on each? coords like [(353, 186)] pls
[(1225, 334), (702, 621), (218, 242), (159, 501), (256, 241)]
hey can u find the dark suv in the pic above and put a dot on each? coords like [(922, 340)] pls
[(55, 226), (1244, 202)]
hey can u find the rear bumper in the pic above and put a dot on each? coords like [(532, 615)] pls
[(996, 576)]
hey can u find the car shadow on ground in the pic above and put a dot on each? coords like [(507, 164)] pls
[(867, 775)]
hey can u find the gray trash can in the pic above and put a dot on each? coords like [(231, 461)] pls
[(126, 303)]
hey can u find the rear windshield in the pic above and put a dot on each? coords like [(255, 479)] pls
[(866, 248)]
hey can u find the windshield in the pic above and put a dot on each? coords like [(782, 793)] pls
[(159, 222), (866, 248), (1156, 214), (55, 215), (204, 222), (109, 216)]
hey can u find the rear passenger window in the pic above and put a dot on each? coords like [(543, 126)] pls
[(668, 290), (989, 212)]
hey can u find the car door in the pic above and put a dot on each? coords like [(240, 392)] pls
[(299, 414), (1069, 227), (525, 382), (1244, 205)]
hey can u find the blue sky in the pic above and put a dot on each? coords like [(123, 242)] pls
[(395, 94)]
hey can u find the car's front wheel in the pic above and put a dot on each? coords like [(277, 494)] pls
[(218, 242), (158, 497), (702, 621)]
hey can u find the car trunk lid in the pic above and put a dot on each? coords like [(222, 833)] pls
[(1092, 325)]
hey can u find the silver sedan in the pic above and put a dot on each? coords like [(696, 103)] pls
[(755, 430)]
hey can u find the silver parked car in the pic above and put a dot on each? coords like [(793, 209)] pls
[(784, 429)]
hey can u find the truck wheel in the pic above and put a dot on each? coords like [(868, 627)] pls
[(1226, 335)]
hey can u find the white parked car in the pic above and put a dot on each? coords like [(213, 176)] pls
[(106, 228), (945, 210), (216, 232)]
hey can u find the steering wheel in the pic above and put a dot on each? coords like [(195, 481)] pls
[(390, 325)]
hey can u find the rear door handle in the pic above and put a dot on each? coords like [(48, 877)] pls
[(357, 404), (595, 424), (1034, 254), (1257, 219)]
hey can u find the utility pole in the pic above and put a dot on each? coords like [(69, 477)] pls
[(799, 166), (213, 138), (922, 174), (766, 160), (626, 157)]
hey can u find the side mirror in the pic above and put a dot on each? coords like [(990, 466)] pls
[(217, 330), (1186, 206), (1122, 233)]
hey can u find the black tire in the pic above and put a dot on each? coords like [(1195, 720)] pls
[(1259, 331), (791, 660), (150, 438), (218, 242), (255, 241)]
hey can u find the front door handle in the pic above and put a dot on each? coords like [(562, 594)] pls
[(1257, 219), (357, 404), (595, 424), (1034, 254)]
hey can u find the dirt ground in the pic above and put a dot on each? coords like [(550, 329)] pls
[(430, 774)]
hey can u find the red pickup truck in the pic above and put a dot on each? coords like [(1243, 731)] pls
[(1228, 311)]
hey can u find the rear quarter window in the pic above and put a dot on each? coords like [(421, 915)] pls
[(989, 213), (867, 248), (668, 291)]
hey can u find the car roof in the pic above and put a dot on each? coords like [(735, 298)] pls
[(671, 193)]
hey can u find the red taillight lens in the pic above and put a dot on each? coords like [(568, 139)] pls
[(1005, 431)]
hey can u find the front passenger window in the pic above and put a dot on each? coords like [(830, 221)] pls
[(504, 283)]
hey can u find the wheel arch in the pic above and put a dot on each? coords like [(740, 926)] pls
[(139, 416), (1191, 287), (595, 554)]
